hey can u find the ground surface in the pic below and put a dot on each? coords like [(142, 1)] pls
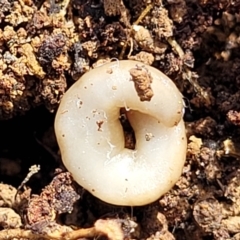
[(47, 45)]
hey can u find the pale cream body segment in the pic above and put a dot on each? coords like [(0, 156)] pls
[(91, 137)]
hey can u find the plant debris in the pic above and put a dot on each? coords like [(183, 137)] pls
[(142, 81)]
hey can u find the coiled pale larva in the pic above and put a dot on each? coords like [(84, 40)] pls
[(91, 138)]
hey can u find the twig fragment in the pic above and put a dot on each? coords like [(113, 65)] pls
[(110, 228), (32, 170), (140, 18)]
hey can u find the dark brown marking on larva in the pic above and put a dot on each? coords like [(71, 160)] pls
[(99, 124)]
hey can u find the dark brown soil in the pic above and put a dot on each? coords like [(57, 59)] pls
[(47, 45)]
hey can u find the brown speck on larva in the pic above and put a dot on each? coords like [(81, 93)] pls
[(79, 103), (142, 81), (99, 124)]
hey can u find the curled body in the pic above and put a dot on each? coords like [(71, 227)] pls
[(91, 138)]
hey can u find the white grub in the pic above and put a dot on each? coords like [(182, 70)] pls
[(107, 169)]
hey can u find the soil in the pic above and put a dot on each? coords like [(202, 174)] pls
[(47, 45)]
